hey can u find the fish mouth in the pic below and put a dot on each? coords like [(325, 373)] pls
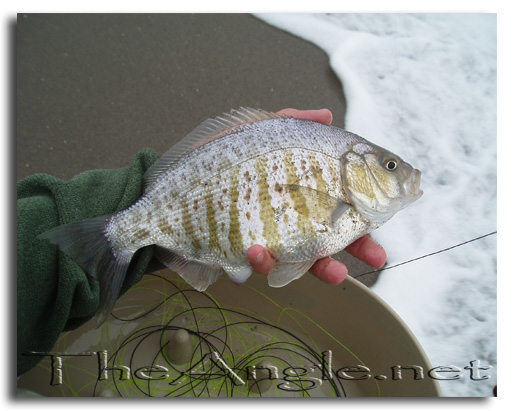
[(412, 184)]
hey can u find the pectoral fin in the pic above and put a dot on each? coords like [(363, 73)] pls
[(320, 206), (341, 208)]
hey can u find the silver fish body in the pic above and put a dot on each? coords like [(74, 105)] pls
[(302, 189)]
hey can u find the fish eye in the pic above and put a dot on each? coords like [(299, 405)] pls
[(390, 164)]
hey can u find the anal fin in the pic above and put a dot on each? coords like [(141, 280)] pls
[(198, 275), (285, 272)]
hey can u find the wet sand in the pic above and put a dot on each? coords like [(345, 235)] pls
[(93, 89)]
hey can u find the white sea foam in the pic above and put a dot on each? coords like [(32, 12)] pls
[(424, 86)]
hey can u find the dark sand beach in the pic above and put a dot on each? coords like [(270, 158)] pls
[(93, 89)]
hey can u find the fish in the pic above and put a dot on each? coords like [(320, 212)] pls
[(302, 189)]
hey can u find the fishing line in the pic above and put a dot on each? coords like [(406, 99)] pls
[(213, 328), (426, 255)]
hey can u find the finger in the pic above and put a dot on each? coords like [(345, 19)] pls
[(368, 251), (260, 259), (323, 116), (329, 270)]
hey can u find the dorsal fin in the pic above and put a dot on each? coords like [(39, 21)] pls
[(209, 130)]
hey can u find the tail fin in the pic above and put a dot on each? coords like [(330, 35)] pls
[(87, 243)]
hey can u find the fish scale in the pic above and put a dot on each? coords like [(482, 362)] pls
[(302, 189), (264, 216), (240, 146)]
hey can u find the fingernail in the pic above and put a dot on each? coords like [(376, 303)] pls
[(259, 258)]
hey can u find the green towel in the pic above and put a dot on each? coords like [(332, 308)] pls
[(54, 293)]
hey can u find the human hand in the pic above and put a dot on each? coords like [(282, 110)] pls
[(326, 269)]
